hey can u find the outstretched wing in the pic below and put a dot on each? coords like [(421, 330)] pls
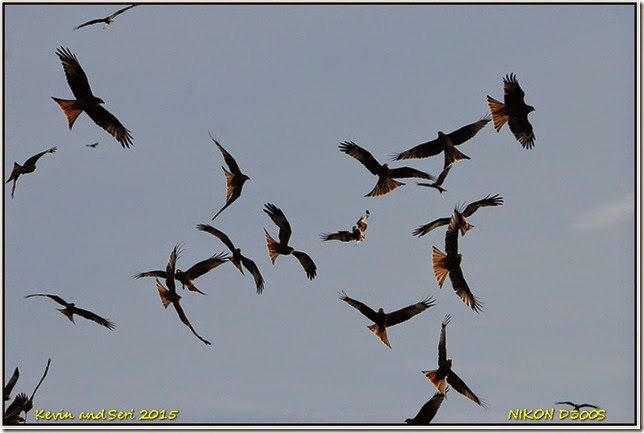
[(494, 200), (184, 319), (280, 220), (120, 11), (424, 229), (451, 235), (75, 75), (252, 268), (156, 274), (407, 313), (95, 317), (423, 150), (41, 379), (230, 161), (36, 157), (513, 94), (171, 267), (461, 387), (364, 309), (58, 299), (427, 413), (90, 22), (362, 155), (307, 263), (343, 236), (522, 130), (442, 342), (110, 123), (463, 290), (12, 382), (465, 133), (405, 172), (218, 234), (204, 266)]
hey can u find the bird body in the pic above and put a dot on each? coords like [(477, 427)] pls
[(29, 166), (514, 111), (106, 21), (235, 179), (356, 233), (427, 413)]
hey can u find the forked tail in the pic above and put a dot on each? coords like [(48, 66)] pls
[(384, 186), (439, 383), (452, 155), (70, 109), (271, 245), (438, 263), (497, 110), (382, 335)]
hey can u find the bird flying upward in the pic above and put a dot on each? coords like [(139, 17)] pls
[(356, 233), (445, 143), (444, 371), (384, 320), (107, 20), (71, 309), (238, 259), (427, 413), (86, 101), (28, 167), (234, 178), (276, 248), (386, 176), (513, 110), (467, 211)]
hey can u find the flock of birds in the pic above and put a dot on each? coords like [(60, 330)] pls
[(512, 110)]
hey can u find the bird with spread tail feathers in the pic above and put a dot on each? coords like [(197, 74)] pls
[(234, 178), (444, 371), (238, 259), (276, 248), (386, 176), (86, 101), (29, 166), (467, 211), (107, 20), (427, 413), (513, 110), (71, 309), (356, 233), (383, 320), (449, 263)]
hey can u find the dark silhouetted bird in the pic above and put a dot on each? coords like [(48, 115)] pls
[(29, 404), (86, 101), (276, 248), (28, 167), (238, 259), (450, 263), (577, 406), (234, 178), (386, 176), (514, 111), (444, 371), (439, 182), (427, 413), (187, 278), (12, 413), (71, 309), (93, 145), (107, 20), (464, 226), (445, 143), (356, 233), (9, 386), (383, 320)]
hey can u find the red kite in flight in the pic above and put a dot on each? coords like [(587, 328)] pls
[(356, 233), (577, 406), (439, 182), (71, 309), (107, 20), (28, 167), (427, 413), (514, 111), (234, 178)]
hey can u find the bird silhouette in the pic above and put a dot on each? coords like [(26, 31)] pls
[(356, 233), (29, 166), (107, 20), (386, 176), (71, 309), (12, 413), (86, 101), (9, 386), (276, 248), (234, 178), (383, 320), (427, 413), (29, 404), (444, 371), (577, 406), (93, 145), (514, 111), (238, 259), (463, 213), (439, 182)]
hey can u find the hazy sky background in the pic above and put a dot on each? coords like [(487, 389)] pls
[(281, 87)]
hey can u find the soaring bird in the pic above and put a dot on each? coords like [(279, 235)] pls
[(439, 182), (107, 20), (169, 295), (356, 233), (386, 176), (238, 259), (427, 413), (445, 143), (450, 263), (276, 248), (28, 167), (187, 278), (444, 371), (29, 404), (464, 213), (384, 320), (234, 178), (71, 309), (86, 101), (9, 386), (514, 111), (93, 145), (577, 406)]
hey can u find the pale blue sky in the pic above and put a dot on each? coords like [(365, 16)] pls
[(281, 87)]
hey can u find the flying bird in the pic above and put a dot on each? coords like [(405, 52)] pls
[(86, 101), (464, 213), (276, 248), (29, 404), (234, 178), (577, 406), (439, 182), (71, 309), (238, 259), (9, 386), (427, 413), (383, 320), (93, 145), (187, 278), (513, 110), (449, 263), (29, 166), (12, 413), (444, 371), (169, 295), (445, 143), (107, 20), (356, 233), (386, 176)]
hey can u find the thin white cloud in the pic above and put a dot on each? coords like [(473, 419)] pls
[(608, 213)]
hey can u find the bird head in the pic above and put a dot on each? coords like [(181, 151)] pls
[(98, 100), (529, 108)]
